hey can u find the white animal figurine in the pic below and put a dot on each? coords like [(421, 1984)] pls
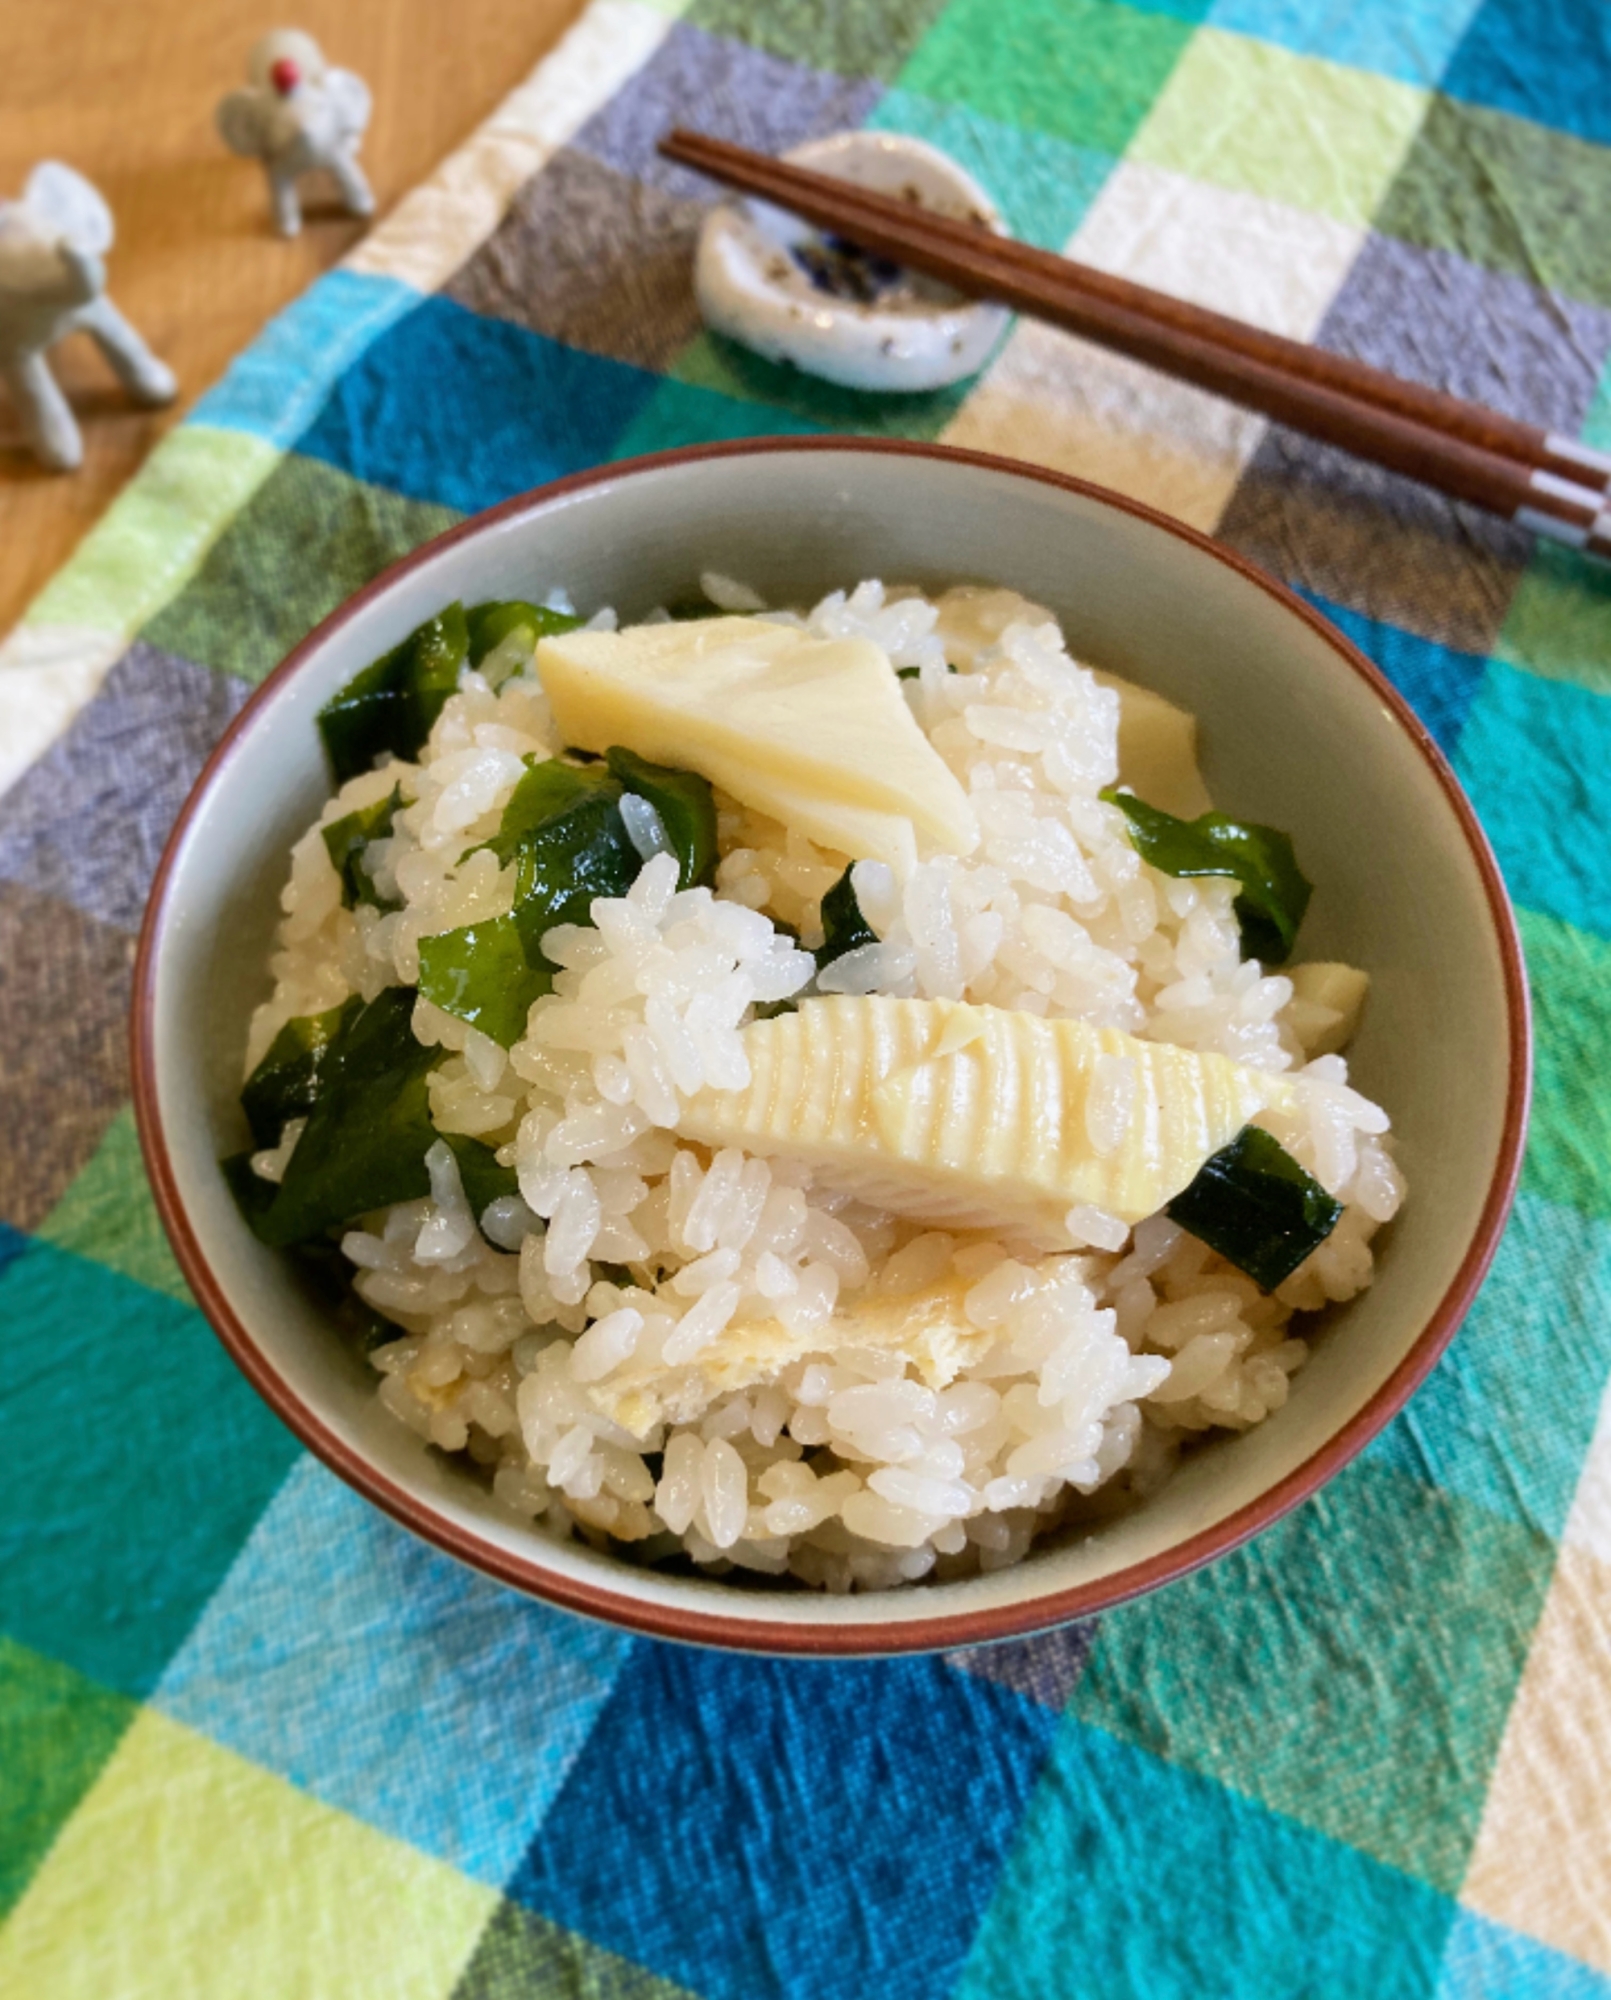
[(297, 115), (53, 282)]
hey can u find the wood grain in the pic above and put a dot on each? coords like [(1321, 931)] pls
[(126, 94)]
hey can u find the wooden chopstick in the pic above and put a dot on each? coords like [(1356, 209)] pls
[(1547, 483)]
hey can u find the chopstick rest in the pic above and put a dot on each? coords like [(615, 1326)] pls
[(796, 294), (1550, 484)]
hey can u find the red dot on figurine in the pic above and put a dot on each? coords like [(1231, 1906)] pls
[(285, 76)]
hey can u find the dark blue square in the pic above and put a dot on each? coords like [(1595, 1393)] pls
[(1437, 682), (88, 821), (451, 407), (759, 1828), (12, 1244), (1548, 60)]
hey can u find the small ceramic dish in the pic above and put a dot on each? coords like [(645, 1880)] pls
[(1298, 731), (782, 287)]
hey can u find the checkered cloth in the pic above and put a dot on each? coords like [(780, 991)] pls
[(255, 1741)]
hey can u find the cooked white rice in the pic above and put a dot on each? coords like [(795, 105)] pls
[(630, 1411)]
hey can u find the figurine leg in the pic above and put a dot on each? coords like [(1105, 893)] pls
[(287, 209), (350, 182), (47, 422), (147, 379)]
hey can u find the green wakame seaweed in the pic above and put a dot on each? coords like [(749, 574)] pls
[(347, 839), (483, 1180), (367, 1133), (1274, 890), (844, 928), (488, 624), (685, 806), (393, 703), (1254, 1204), (287, 1083), (481, 974), (563, 832)]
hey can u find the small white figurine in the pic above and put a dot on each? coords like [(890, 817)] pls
[(297, 115), (53, 282)]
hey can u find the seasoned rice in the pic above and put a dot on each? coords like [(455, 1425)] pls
[(664, 1348)]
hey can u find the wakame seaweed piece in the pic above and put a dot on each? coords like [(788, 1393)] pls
[(481, 974), (686, 808), (547, 791), (844, 928), (287, 1082), (346, 840), (1275, 891), (1254, 1204), (489, 624), (562, 830), (480, 1175), (393, 703), (564, 833), (366, 1138)]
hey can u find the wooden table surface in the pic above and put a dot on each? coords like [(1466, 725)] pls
[(125, 93)]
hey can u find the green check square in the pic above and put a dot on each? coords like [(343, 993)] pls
[(1351, 1669), (305, 541), (136, 1464), (1042, 184), (1509, 195), (1569, 1139), (850, 37), (108, 1214), (803, 402), (522, 1954), (1312, 135), (57, 1730), (1559, 621), (1083, 70)]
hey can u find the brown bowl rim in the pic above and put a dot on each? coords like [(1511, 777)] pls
[(944, 1630)]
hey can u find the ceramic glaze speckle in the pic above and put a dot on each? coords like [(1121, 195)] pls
[(794, 294)]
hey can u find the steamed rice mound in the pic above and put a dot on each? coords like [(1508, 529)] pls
[(674, 1350)]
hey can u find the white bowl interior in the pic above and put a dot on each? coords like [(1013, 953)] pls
[(1290, 736)]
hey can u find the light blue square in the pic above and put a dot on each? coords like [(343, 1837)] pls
[(1488, 1961), (274, 388), (391, 1682), (1042, 184), (1412, 40), (1506, 1417), (1534, 756)]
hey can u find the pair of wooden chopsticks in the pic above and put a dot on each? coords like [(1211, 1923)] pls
[(1540, 479)]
